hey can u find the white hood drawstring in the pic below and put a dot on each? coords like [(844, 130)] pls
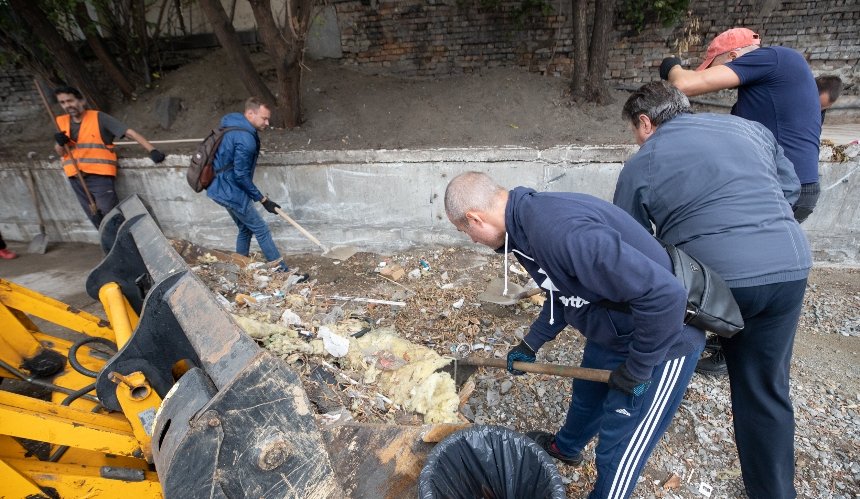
[(548, 283), (551, 308), (505, 292)]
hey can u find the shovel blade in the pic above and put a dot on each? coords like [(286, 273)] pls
[(38, 245), (495, 290), (340, 252), (459, 372)]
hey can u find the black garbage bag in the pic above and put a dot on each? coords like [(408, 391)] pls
[(489, 462)]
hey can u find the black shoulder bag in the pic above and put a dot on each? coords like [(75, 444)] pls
[(710, 303)]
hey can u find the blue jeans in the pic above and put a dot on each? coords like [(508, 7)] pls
[(758, 360), (250, 223), (103, 190), (627, 427)]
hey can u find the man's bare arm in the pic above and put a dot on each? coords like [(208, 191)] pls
[(140, 139), (154, 154), (694, 83)]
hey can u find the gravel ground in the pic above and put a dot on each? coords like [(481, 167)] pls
[(696, 457)]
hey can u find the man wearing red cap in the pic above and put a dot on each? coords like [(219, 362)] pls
[(775, 87)]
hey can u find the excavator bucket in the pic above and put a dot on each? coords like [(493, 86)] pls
[(235, 421)]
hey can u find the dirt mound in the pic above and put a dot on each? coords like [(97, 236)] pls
[(348, 109)]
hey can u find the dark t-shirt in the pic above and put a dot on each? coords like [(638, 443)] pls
[(778, 90), (110, 128)]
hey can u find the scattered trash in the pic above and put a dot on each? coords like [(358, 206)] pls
[(414, 274), (260, 297), (243, 299), (672, 482), (459, 303), (290, 318), (335, 345), (394, 272), (705, 489), (424, 264)]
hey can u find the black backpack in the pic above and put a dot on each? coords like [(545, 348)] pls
[(201, 171)]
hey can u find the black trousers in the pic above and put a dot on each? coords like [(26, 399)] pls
[(758, 360), (102, 188)]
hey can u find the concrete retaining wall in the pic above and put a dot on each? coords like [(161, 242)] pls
[(381, 201)]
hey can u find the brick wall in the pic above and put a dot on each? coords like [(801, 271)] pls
[(429, 38), (422, 38), (18, 96)]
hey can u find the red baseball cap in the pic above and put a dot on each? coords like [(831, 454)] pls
[(727, 41)]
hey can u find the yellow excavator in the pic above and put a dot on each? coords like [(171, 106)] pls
[(169, 397)]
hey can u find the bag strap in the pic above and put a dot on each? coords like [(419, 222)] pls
[(223, 132), (674, 258)]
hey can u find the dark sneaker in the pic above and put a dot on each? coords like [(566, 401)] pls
[(547, 441), (714, 364)]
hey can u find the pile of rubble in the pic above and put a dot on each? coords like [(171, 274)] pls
[(377, 358), (386, 313)]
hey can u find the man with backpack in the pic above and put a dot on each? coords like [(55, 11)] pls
[(233, 186)]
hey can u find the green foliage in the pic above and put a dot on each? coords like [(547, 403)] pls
[(641, 13)]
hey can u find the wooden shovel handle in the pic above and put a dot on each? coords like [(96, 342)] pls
[(585, 373), (300, 229)]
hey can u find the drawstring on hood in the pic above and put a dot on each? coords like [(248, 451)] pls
[(505, 292), (550, 287)]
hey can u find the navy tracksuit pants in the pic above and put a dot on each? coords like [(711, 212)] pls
[(758, 360), (627, 427)]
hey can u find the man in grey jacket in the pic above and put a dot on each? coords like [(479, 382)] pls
[(720, 188)]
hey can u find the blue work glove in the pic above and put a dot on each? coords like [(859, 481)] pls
[(156, 156), (667, 65), (520, 353), (270, 205), (61, 138), (620, 379)]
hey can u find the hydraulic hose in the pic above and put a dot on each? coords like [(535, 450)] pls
[(73, 354)]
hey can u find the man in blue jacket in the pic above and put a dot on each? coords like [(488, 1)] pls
[(582, 250), (233, 186), (720, 188)]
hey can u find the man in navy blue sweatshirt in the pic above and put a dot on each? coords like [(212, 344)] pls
[(720, 188), (775, 88), (582, 250)]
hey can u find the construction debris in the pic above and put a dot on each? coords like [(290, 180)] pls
[(375, 372)]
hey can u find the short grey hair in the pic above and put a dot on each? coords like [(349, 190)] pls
[(470, 191), (660, 101)]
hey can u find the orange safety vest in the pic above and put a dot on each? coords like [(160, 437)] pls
[(90, 151)]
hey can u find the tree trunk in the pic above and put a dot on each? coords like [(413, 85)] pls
[(596, 88), (226, 34), (177, 4), (286, 49), (138, 19), (580, 49), (85, 22), (67, 59)]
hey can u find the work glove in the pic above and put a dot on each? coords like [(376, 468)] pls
[(61, 138), (621, 379), (270, 205), (520, 353), (667, 65), (156, 156)]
